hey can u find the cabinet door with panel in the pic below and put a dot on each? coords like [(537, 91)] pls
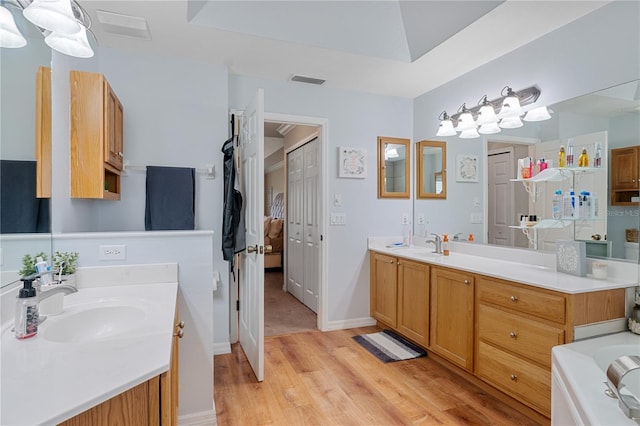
[(625, 175), (452, 310), (384, 288), (413, 300), (113, 127)]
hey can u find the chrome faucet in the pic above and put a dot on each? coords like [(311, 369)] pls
[(437, 242), (456, 237), (59, 288)]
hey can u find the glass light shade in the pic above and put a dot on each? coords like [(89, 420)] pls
[(489, 128), (486, 115), (391, 153), (537, 114), (511, 123), (510, 107), (466, 122), (470, 133), (10, 35), (446, 128), (55, 16), (70, 44)]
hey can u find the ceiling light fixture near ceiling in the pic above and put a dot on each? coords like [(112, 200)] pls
[(124, 25), (308, 80), (10, 36), (482, 119), (285, 128)]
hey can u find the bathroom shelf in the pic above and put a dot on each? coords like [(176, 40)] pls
[(552, 174)]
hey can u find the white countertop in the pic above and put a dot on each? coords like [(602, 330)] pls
[(538, 276), (46, 382)]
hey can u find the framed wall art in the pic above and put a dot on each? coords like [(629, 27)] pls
[(467, 168), (352, 162)]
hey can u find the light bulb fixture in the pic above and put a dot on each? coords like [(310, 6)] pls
[(64, 23), (466, 120), (55, 16), (75, 45), (538, 114), (446, 125), (511, 105), (10, 35), (510, 122)]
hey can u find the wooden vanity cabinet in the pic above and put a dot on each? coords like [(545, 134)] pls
[(625, 163), (96, 137), (399, 295), (152, 403), (452, 310)]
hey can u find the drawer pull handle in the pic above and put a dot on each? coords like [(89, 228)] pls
[(514, 377), (467, 282), (513, 335), (398, 263), (391, 261), (514, 299)]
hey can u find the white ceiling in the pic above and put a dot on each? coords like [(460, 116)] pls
[(389, 47)]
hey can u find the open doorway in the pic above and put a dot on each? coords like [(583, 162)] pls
[(285, 310)]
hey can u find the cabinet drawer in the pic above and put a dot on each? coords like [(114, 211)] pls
[(523, 380), (529, 301), (523, 336)]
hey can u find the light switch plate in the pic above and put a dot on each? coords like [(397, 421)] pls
[(405, 219), (420, 218), (476, 217), (338, 218), (337, 200)]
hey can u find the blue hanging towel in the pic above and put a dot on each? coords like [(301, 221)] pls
[(171, 193), (20, 209)]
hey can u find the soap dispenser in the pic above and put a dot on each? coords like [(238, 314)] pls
[(26, 315)]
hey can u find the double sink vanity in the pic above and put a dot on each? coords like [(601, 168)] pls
[(110, 356), (494, 314)]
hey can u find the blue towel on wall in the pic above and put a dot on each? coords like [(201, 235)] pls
[(20, 209), (171, 193)]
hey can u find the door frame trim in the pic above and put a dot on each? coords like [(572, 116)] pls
[(323, 137)]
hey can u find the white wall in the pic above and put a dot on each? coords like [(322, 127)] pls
[(595, 52), (355, 120)]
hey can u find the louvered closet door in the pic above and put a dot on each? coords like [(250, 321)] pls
[(311, 214), (295, 266)]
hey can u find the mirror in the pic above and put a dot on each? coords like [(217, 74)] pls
[(393, 174), (431, 169), (611, 116), (19, 73)]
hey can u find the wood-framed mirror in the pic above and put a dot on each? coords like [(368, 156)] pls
[(394, 160), (431, 158)]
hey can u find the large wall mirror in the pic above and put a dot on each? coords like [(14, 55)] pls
[(393, 167), (431, 177), (609, 118), (25, 209)]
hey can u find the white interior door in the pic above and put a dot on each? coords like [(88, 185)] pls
[(295, 267), (500, 197), (311, 214), (251, 291)]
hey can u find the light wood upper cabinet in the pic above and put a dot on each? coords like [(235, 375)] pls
[(625, 172), (452, 302), (43, 132), (96, 137), (431, 170), (394, 166)]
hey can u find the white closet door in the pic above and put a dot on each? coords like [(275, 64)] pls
[(295, 267), (311, 214)]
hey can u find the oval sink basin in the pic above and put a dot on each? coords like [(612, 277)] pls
[(94, 324)]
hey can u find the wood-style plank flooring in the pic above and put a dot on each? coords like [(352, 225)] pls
[(316, 378)]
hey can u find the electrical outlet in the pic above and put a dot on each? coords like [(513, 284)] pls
[(420, 218), (405, 219), (112, 252)]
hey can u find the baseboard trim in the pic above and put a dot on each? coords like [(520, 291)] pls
[(352, 323), (202, 418), (221, 348)]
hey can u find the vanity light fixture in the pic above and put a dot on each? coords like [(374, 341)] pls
[(483, 119), (10, 35), (64, 23)]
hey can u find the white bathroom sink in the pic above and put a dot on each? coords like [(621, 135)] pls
[(95, 323), (606, 355), (416, 251)]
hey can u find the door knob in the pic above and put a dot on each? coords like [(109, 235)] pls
[(252, 249), (268, 248)]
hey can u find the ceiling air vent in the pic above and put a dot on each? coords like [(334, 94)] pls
[(124, 25), (308, 80)]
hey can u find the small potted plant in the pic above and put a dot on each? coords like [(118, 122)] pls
[(65, 264), (29, 264)]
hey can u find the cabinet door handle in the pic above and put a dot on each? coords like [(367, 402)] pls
[(398, 262), (514, 377), (514, 299), (180, 334), (467, 282), (180, 324), (513, 335), (391, 261), (120, 154)]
